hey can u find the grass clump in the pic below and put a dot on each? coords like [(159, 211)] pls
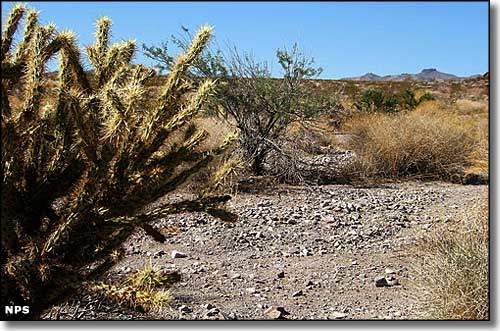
[(455, 276), (423, 145)]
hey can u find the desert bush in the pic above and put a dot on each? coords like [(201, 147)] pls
[(313, 136), (372, 100), (474, 119), (261, 106), (80, 166), (411, 144), (378, 100), (454, 279)]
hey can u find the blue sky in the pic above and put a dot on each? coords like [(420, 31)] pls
[(345, 38)]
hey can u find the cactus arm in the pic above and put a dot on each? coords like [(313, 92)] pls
[(10, 28)]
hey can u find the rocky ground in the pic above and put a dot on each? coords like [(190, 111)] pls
[(315, 252)]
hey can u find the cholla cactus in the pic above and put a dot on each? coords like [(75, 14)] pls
[(82, 160)]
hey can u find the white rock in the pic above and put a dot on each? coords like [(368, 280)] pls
[(338, 315), (251, 290), (390, 271), (177, 255)]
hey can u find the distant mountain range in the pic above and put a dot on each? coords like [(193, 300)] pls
[(425, 75)]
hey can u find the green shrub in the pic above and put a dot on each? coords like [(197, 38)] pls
[(261, 106), (82, 161), (377, 100), (373, 100)]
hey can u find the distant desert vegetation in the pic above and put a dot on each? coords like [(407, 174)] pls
[(348, 184)]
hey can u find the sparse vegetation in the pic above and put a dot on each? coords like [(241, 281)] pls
[(145, 290), (261, 106), (378, 100), (96, 161), (432, 145), (454, 279), (80, 165)]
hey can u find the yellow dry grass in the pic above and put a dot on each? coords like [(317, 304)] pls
[(435, 141), (454, 278)]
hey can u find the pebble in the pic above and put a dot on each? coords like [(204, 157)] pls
[(387, 281), (392, 281), (178, 255), (251, 290), (390, 271), (380, 281), (306, 252), (212, 312), (160, 253), (185, 309), (337, 315), (276, 312), (208, 306), (269, 242), (229, 317)]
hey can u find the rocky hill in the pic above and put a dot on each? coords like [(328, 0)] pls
[(430, 74)]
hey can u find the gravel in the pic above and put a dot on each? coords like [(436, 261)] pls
[(316, 250)]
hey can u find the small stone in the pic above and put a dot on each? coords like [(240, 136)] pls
[(337, 315), (389, 271), (276, 312), (306, 252), (159, 253), (126, 269), (229, 317), (178, 255), (236, 276), (392, 281), (251, 290), (297, 293), (212, 312), (185, 309), (208, 306), (380, 281)]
